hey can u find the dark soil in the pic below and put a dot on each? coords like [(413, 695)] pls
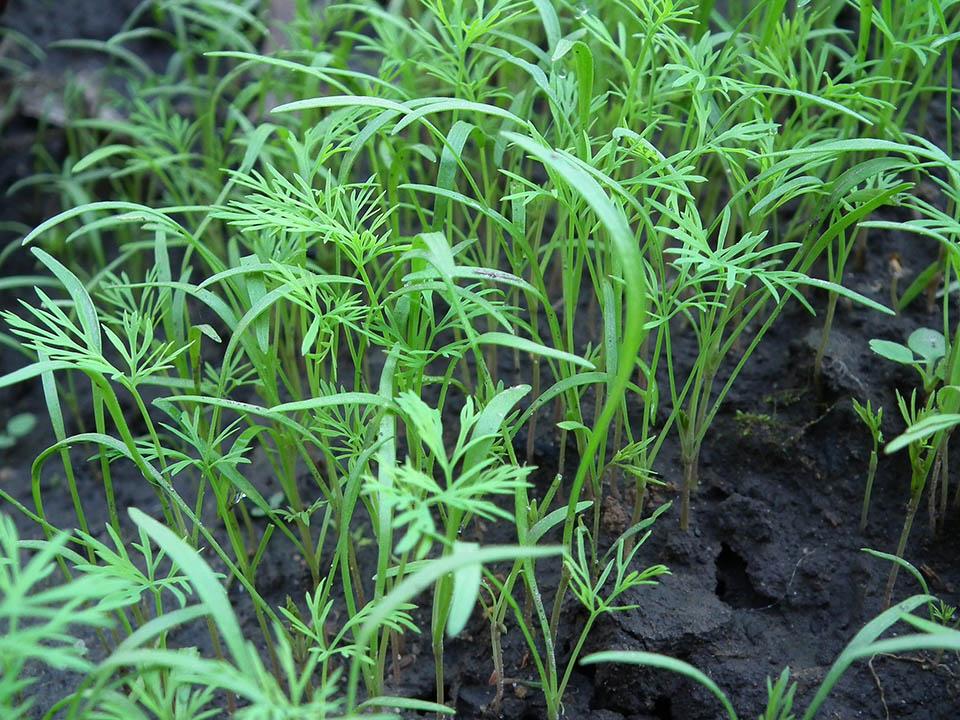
[(771, 573)]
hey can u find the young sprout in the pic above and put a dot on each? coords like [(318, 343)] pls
[(923, 352), (873, 421), (929, 426), (602, 594), (922, 453)]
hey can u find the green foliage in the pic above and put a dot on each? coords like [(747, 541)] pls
[(364, 263), (41, 622)]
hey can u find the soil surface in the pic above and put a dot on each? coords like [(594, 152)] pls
[(771, 573)]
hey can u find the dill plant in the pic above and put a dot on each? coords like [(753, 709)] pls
[(516, 214)]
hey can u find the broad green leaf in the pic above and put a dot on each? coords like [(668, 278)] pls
[(945, 639), (491, 420), (454, 105), (870, 632), (341, 101), (928, 344), (862, 172), (147, 213), (256, 290), (551, 520), (449, 163), (917, 575), (893, 351), (584, 65), (814, 99), (344, 398), (551, 23)]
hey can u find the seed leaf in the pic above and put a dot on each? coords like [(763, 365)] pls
[(892, 351), (928, 344)]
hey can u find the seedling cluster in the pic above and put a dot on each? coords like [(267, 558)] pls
[(327, 300)]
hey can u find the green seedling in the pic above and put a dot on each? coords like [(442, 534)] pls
[(601, 595), (598, 592), (940, 612), (922, 454), (471, 478), (874, 422), (924, 351), (277, 275), (928, 427)]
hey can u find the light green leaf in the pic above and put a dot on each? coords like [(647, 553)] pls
[(551, 520), (525, 345), (466, 590), (892, 351), (847, 293), (927, 427), (98, 155), (571, 425), (928, 344), (341, 101), (32, 370), (86, 311), (403, 703)]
